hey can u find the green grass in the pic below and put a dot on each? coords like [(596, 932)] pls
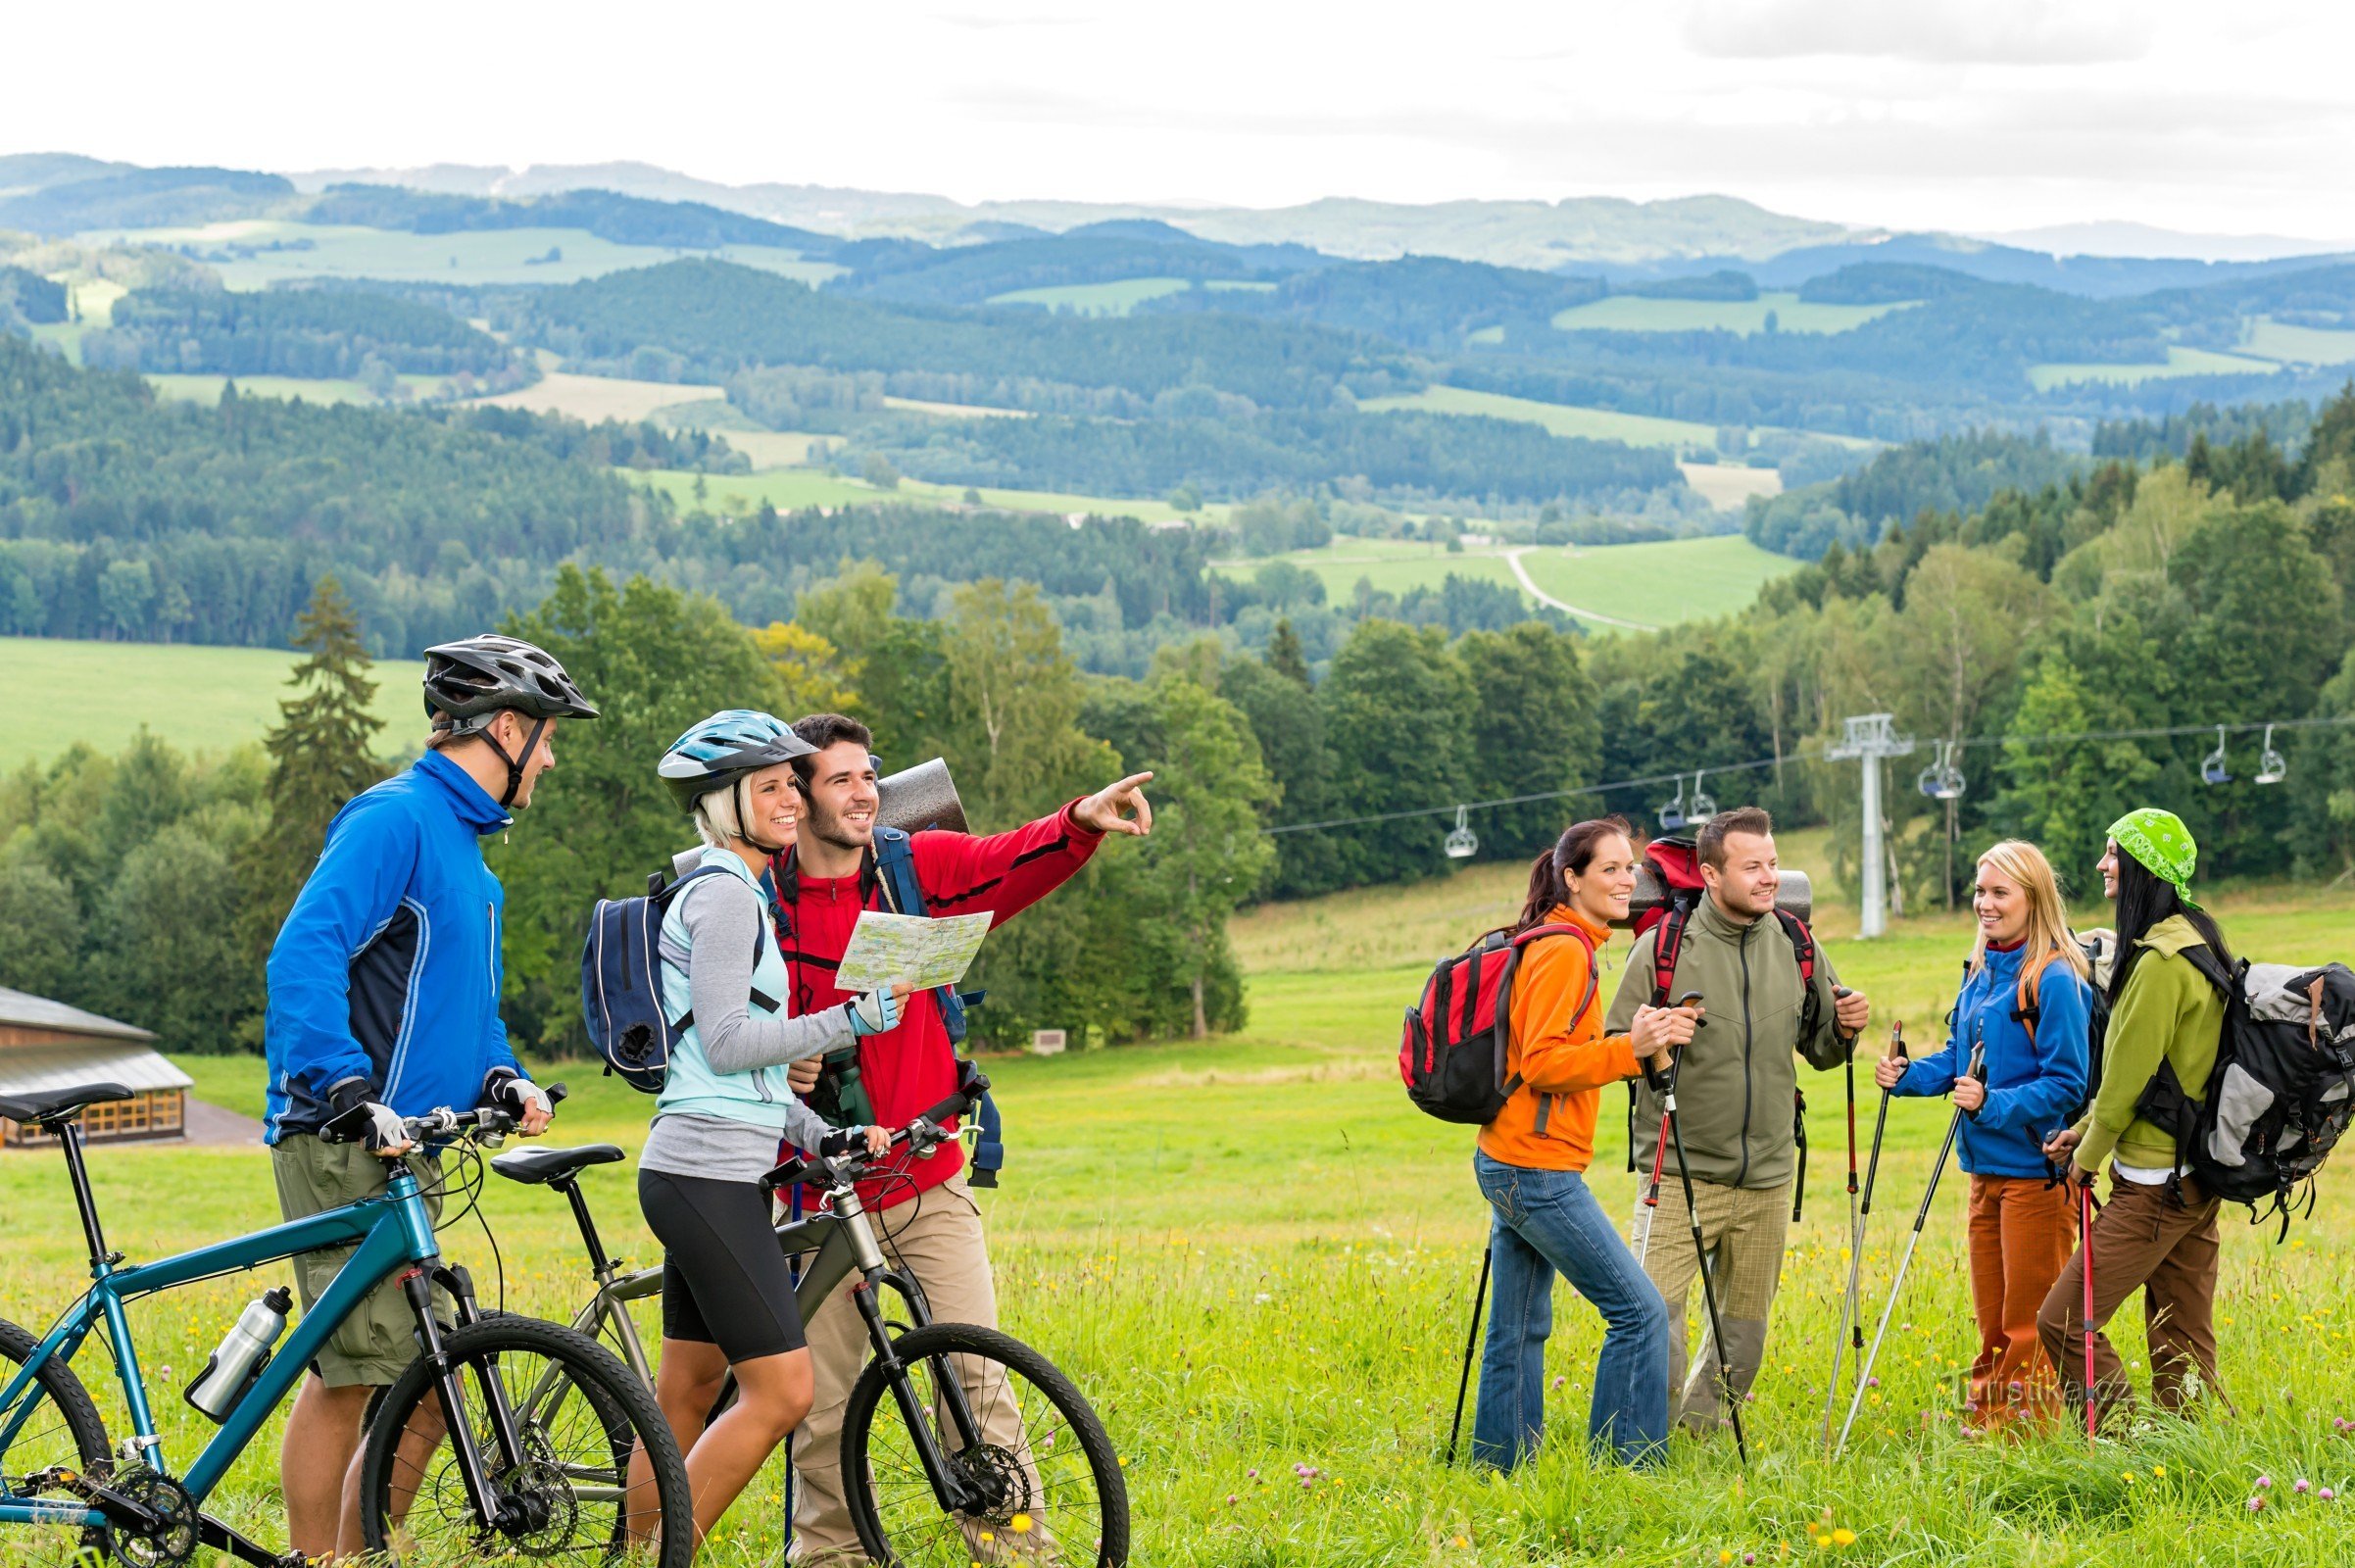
[(1656, 584), (740, 495), (1659, 584), (94, 298), (197, 697), (1561, 419), (2269, 339), (1119, 297), (1096, 299), (2180, 361), (502, 256), (1570, 419), (1252, 1253), (1633, 312)]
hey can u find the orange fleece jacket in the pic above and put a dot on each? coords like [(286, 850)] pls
[(1565, 1060)]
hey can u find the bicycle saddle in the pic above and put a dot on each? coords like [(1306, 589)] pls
[(58, 1105), (535, 1166)]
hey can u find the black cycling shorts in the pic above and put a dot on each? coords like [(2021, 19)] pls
[(725, 1278)]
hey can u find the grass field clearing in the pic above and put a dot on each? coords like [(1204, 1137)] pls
[(1656, 584), (1254, 1256), (741, 495), (2180, 361), (955, 411), (603, 397), (197, 697), (93, 298), (1659, 584), (2268, 339), (495, 256), (1635, 313), (1726, 485), (1096, 299), (1573, 420)]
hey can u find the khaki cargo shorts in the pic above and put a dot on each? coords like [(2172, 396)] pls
[(372, 1346)]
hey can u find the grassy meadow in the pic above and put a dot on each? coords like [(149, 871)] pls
[(2180, 361), (56, 692), (741, 494), (1119, 297), (1569, 420), (1635, 313), (1256, 1257), (1656, 584), (254, 253)]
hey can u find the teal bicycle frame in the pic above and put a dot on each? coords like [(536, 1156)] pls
[(393, 1232)]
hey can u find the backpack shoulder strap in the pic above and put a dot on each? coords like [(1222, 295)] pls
[(1535, 934), (1802, 948), (1668, 939), (895, 869)]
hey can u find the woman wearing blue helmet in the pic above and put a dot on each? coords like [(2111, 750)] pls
[(727, 1295)]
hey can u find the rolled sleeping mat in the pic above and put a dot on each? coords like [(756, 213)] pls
[(913, 800), (1794, 895)]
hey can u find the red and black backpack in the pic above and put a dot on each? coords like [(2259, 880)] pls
[(1451, 1052)]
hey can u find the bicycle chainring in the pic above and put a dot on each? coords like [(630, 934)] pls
[(172, 1539)]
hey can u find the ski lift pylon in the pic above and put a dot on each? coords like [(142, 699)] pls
[(2212, 768), (1462, 843), (2272, 767)]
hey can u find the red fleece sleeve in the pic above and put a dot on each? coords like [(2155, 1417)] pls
[(1004, 873)]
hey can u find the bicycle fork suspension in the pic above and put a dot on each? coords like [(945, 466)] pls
[(951, 1489), (491, 1506)]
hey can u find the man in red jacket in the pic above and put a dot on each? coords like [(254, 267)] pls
[(933, 1225)]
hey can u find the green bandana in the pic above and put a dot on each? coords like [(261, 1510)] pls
[(2163, 845)]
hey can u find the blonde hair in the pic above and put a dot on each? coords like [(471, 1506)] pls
[(715, 820), (2049, 939)]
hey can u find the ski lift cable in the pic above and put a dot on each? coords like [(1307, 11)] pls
[(1802, 755)]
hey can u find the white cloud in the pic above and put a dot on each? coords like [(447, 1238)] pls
[(2021, 33)]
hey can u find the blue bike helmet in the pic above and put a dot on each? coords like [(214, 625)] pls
[(715, 754)]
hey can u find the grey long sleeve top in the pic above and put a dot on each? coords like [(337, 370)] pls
[(726, 928)]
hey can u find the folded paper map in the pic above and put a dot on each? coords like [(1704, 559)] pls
[(887, 949)]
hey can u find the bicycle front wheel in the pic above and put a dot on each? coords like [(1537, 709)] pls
[(563, 1488), (1014, 1438)]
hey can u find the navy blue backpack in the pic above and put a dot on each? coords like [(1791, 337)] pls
[(622, 984)]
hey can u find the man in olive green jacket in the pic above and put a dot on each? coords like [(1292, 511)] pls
[(1735, 1095)]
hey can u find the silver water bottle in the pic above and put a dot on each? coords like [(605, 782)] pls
[(240, 1355)]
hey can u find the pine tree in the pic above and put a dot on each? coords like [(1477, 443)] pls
[(1285, 655), (323, 751)]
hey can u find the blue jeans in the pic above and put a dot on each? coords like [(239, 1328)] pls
[(1545, 1222)]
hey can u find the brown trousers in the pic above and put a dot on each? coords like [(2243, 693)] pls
[(936, 1237), (2142, 1240), (1742, 1230), (2021, 1233)]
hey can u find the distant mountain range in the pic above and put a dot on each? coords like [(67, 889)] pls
[(1608, 236)]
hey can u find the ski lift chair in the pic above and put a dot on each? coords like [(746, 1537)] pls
[(1462, 843), (1941, 780), (1704, 804), (2272, 767), (2212, 768), (1672, 818)]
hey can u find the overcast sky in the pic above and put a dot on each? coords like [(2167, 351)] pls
[(1970, 115)]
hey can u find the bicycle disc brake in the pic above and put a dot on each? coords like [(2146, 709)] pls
[(169, 1540), (998, 1481)]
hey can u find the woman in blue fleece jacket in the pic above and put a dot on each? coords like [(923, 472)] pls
[(2024, 1011)]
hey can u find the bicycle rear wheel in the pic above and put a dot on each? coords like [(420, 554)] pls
[(577, 1413), (60, 1430), (1049, 1489)]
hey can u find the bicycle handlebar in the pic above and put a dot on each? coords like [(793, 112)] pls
[(482, 1124), (923, 1133)]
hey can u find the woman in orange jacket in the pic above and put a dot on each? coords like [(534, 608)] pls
[(1532, 1161)]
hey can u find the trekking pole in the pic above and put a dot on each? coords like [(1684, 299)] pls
[(1850, 1326), (1921, 1217), (1659, 1082), (1471, 1337), (1700, 1253), (2084, 1220)]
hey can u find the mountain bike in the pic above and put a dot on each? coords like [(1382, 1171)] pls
[(521, 1484), (960, 1444)]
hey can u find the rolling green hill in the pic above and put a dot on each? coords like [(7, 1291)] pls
[(1631, 313), (197, 697)]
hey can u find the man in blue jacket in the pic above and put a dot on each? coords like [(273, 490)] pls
[(385, 995)]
